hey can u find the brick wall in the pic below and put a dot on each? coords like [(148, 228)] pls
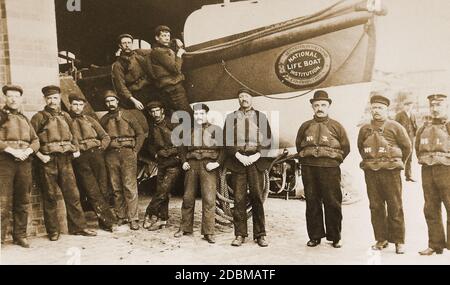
[(4, 50), (28, 57)]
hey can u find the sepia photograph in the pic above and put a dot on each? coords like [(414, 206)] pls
[(221, 132)]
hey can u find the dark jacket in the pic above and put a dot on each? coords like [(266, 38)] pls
[(160, 143), (338, 133), (166, 66), (233, 144), (409, 123), (132, 73)]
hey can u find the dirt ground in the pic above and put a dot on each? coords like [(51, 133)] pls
[(286, 229)]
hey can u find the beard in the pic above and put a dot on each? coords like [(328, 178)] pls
[(126, 51)]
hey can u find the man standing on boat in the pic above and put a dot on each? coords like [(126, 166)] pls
[(433, 151), (322, 145), (132, 75), (166, 65), (247, 135), (384, 146)]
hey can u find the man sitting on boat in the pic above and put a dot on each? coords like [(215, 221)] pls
[(166, 65)]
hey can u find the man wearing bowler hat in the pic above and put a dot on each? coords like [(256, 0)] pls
[(58, 146), (247, 136), (384, 146), (407, 119), (132, 75), (90, 167), (322, 145), (18, 141), (433, 152), (127, 137)]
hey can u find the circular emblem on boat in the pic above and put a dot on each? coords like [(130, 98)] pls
[(303, 65)]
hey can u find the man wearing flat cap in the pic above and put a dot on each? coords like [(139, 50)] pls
[(18, 141), (167, 156), (132, 75), (90, 168), (407, 119), (322, 145), (384, 146), (127, 138), (166, 65), (247, 136), (201, 160), (433, 152), (58, 147)]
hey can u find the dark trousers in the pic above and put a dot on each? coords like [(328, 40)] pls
[(323, 186), (252, 178), (15, 188), (175, 97), (58, 174), (165, 181), (384, 189), (436, 190), (91, 172), (122, 169), (208, 186)]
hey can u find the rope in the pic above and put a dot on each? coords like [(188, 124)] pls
[(224, 214), (257, 92)]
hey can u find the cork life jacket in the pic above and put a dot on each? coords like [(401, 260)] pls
[(434, 148), (207, 146), (120, 131), (378, 153), (15, 130), (320, 142), (55, 134), (85, 133)]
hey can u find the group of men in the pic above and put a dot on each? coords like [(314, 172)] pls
[(385, 146), (75, 147)]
